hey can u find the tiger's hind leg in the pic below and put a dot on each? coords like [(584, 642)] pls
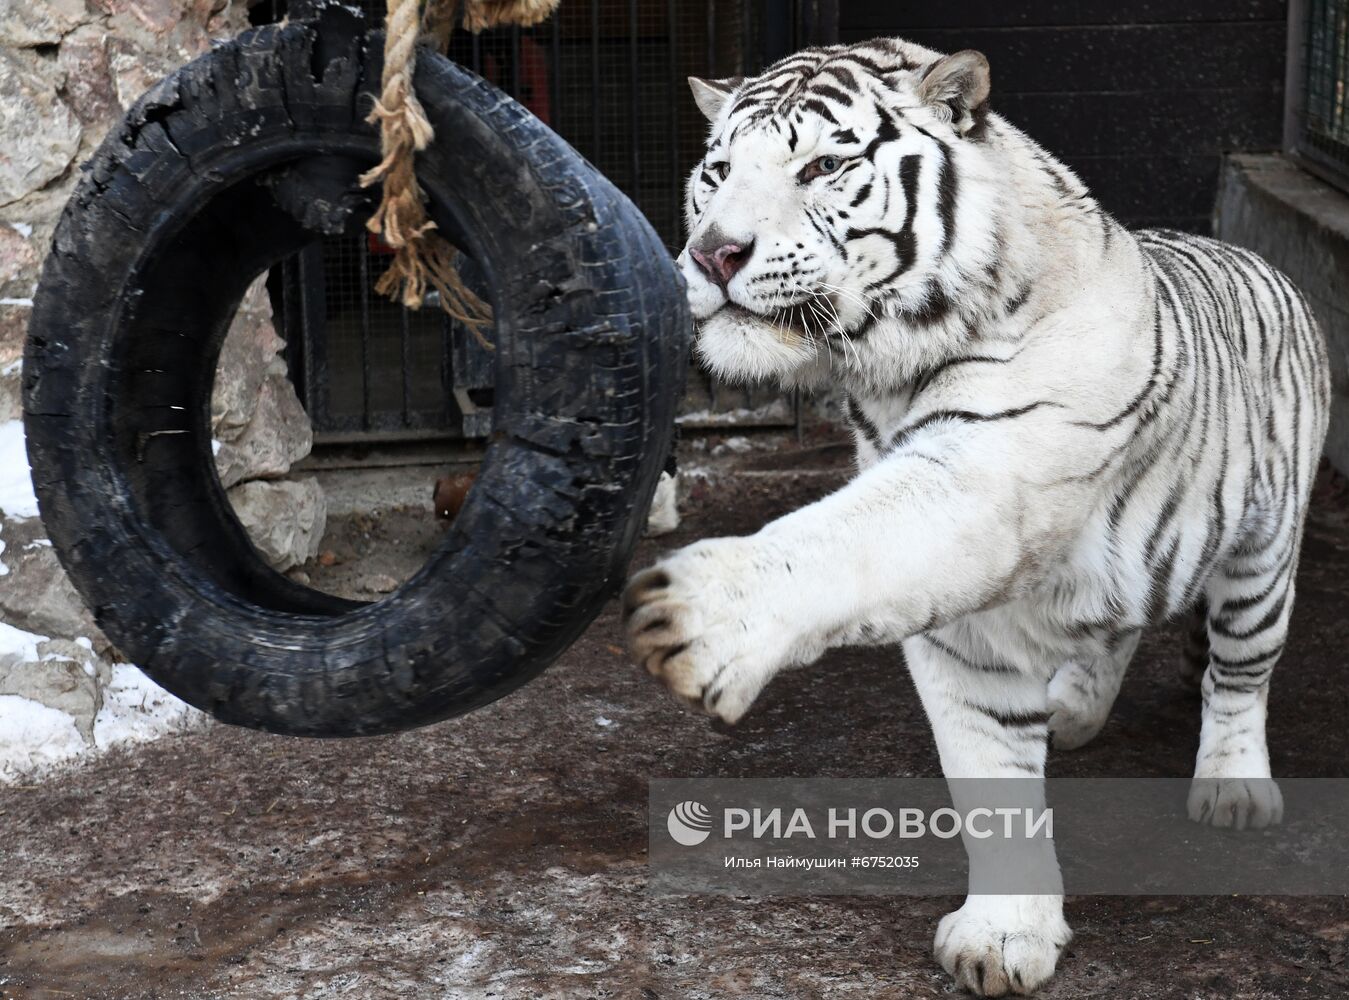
[(1194, 655), (1083, 691), (1249, 602)]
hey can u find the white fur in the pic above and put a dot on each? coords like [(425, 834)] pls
[(1014, 557)]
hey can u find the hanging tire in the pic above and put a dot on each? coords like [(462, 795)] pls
[(236, 161)]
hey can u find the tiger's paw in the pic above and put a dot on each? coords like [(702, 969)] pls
[(996, 945), (1074, 716), (706, 622), (1237, 803)]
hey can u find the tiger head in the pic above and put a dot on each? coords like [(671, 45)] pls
[(843, 213)]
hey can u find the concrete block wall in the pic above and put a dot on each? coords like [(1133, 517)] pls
[(1300, 224)]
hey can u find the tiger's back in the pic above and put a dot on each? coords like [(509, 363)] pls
[(1276, 340), (1251, 362)]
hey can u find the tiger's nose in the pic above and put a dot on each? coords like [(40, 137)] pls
[(721, 264)]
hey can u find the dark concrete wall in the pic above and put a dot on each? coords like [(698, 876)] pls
[(1141, 97), (1301, 226)]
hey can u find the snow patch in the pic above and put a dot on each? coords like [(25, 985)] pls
[(733, 445), (16, 482), (136, 709), (24, 303), (22, 228), (19, 644), (34, 737)]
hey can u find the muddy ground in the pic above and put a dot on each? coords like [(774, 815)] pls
[(503, 854)]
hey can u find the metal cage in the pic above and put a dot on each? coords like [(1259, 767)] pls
[(610, 77), (1317, 127)]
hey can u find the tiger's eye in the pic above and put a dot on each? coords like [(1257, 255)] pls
[(720, 170), (820, 166)]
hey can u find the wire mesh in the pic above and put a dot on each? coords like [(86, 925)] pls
[(1325, 120), (610, 77)]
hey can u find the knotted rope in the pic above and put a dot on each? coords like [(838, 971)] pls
[(422, 256)]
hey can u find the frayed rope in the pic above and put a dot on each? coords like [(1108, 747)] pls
[(422, 257)]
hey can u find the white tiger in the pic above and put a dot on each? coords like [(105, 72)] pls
[(1065, 431)]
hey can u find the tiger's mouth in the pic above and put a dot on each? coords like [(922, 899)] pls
[(813, 316), (745, 345)]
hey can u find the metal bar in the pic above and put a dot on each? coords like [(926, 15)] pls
[(294, 274), (477, 53), (779, 22), (1307, 82), (634, 99), (826, 23), (405, 349), (672, 114), (515, 61), (1341, 34), (313, 286), (555, 73), (595, 79), (365, 332), (711, 69), (446, 366), (713, 389), (1294, 87), (746, 66)]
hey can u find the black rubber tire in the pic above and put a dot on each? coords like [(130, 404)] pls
[(223, 169)]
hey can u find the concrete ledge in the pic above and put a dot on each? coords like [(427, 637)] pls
[(1300, 224)]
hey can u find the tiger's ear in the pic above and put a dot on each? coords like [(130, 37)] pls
[(959, 84), (712, 95)]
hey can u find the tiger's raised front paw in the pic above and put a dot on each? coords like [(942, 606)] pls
[(996, 945), (708, 623)]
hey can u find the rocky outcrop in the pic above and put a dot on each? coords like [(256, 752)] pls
[(61, 674), (41, 133), (68, 71), (260, 431), (284, 519), (28, 25), (259, 425), (35, 594)]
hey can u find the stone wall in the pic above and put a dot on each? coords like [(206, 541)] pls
[(260, 431), (68, 71), (1300, 224)]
